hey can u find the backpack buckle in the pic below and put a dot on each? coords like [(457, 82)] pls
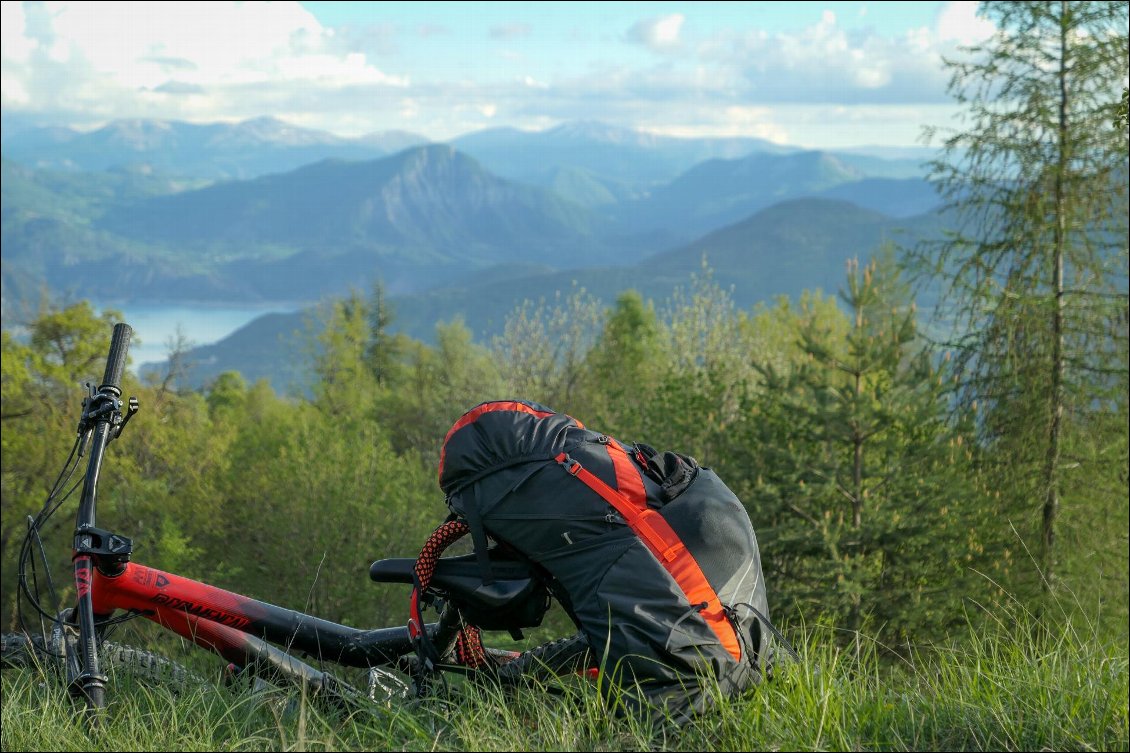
[(572, 467)]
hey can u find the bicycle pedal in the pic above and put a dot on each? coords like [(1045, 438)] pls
[(384, 686)]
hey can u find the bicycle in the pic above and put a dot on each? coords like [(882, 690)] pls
[(260, 640)]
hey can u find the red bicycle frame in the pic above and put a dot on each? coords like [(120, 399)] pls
[(235, 626)]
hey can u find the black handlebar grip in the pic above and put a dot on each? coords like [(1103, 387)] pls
[(116, 361)]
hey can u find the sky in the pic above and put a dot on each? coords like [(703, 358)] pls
[(813, 74)]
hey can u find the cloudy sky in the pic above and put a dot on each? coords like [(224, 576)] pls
[(819, 74)]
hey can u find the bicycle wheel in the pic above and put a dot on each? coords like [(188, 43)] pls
[(330, 693), (564, 656), (18, 650)]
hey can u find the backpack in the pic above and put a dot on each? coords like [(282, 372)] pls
[(651, 555)]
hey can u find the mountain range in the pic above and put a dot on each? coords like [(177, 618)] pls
[(784, 250), (215, 151), (266, 212)]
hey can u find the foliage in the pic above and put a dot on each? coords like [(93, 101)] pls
[(1036, 271), (871, 507), (624, 367), (858, 475), (542, 349), (42, 381)]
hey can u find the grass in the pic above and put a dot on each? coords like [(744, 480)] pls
[(1008, 688)]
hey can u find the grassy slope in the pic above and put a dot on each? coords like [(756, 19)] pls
[(981, 693)]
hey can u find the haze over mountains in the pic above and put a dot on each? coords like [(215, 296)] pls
[(263, 211), (214, 151)]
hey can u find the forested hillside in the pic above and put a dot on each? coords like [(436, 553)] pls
[(871, 506)]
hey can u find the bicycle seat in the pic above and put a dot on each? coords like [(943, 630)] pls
[(460, 578)]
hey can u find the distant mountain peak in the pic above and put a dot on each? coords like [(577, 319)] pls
[(265, 121), (394, 140), (438, 164), (587, 128), (138, 134), (434, 153), (596, 130), (137, 124), (271, 130)]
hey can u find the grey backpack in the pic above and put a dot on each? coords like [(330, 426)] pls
[(651, 555)]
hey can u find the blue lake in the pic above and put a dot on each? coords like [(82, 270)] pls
[(155, 326)]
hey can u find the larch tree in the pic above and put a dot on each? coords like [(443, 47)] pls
[(1034, 271)]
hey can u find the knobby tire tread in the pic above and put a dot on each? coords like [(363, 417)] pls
[(563, 656), (20, 650)]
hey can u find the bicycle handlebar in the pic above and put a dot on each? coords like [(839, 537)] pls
[(116, 361)]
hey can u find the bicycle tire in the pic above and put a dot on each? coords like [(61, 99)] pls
[(18, 650), (564, 656), (21, 651)]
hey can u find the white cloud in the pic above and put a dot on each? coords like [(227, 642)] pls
[(735, 120), (871, 77), (660, 34), (14, 44), (334, 70), (826, 63), (94, 62), (959, 22), (173, 86), (409, 108), (12, 92), (129, 59), (227, 42)]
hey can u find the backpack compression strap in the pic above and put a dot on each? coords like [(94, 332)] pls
[(655, 532), (468, 643)]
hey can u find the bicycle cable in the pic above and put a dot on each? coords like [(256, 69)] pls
[(33, 549), (32, 540)]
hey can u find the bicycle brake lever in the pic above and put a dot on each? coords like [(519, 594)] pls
[(132, 408)]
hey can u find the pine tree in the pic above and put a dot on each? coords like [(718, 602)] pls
[(622, 370), (386, 347), (859, 484), (1035, 270)]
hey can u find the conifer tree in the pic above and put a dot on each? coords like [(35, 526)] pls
[(1034, 272), (859, 478)]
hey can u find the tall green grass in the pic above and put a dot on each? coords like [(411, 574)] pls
[(1017, 686)]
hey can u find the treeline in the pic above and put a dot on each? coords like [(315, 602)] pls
[(875, 505)]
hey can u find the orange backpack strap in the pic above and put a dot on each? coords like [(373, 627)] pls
[(630, 500)]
